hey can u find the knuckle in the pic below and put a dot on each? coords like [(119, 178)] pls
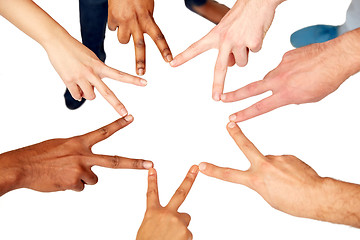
[(104, 131), (140, 63), (140, 43), (259, 106), (152, 192), (138, 163), (181, 192), (115, 161), (159, 36), (108, 92), (226, 174)]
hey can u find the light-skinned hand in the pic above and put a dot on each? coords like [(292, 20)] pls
[(285, 182), (163, 223), (81, 70), (305, 75), (134, 18), (242, 28), (62, 164), (290, 185)]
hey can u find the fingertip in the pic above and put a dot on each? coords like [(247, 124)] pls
[(232, 118), (143, 82), (194, 169), (169, 58), (173, 63), (231, 125), (202, 167), (140, 71), (152, 172), (223, 97), (216, 96), (123, 112), (129, 118), (148, 164)]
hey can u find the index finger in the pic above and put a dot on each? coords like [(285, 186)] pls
[(194, 50), (181, 193), (103, 133), (246, 146), (160, 41), (152, 192), (117, 162), (110, 97), (220, 72)]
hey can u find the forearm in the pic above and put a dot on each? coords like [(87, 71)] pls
[(32, 20), (348, 51), (339, 202)]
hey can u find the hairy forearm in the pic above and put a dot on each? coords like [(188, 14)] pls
[(339, 202), (32, 20), (348, 46)]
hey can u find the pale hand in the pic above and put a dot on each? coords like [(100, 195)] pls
[(242, 28)]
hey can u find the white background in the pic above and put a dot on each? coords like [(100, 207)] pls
[(177, 124)]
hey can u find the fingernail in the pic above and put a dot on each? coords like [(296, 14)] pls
[(216, 96), (231, 125), (123, 112), (232, 118), (223, 97), (80, 99), (128, 118), (194, 169), (141, 71), (147, 164), (151, 172), (143, 82), (169, 58), (173, 62), (202, 166)]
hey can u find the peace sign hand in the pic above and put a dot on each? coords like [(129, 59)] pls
[(285, 182), (134, 18), (166, 222), (62, 164)]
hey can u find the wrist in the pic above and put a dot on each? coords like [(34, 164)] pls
[(11, 175)]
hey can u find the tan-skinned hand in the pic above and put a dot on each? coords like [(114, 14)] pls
[(285, 182), (163, 223), (290, 185), (62, 164), (134, 18)]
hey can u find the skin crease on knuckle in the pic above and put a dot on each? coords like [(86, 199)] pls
[(115, 161)]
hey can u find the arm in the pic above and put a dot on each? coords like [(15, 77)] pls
[(61, 164), (78, 67), (162, 223), (305, 75), (135, 17), (242, 28), (290, 185)]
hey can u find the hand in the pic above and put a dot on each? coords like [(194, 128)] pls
[(163, 223), (135, 17), (242, 28), (61, 164), (285, 182), (81, 71), (305, 75)]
